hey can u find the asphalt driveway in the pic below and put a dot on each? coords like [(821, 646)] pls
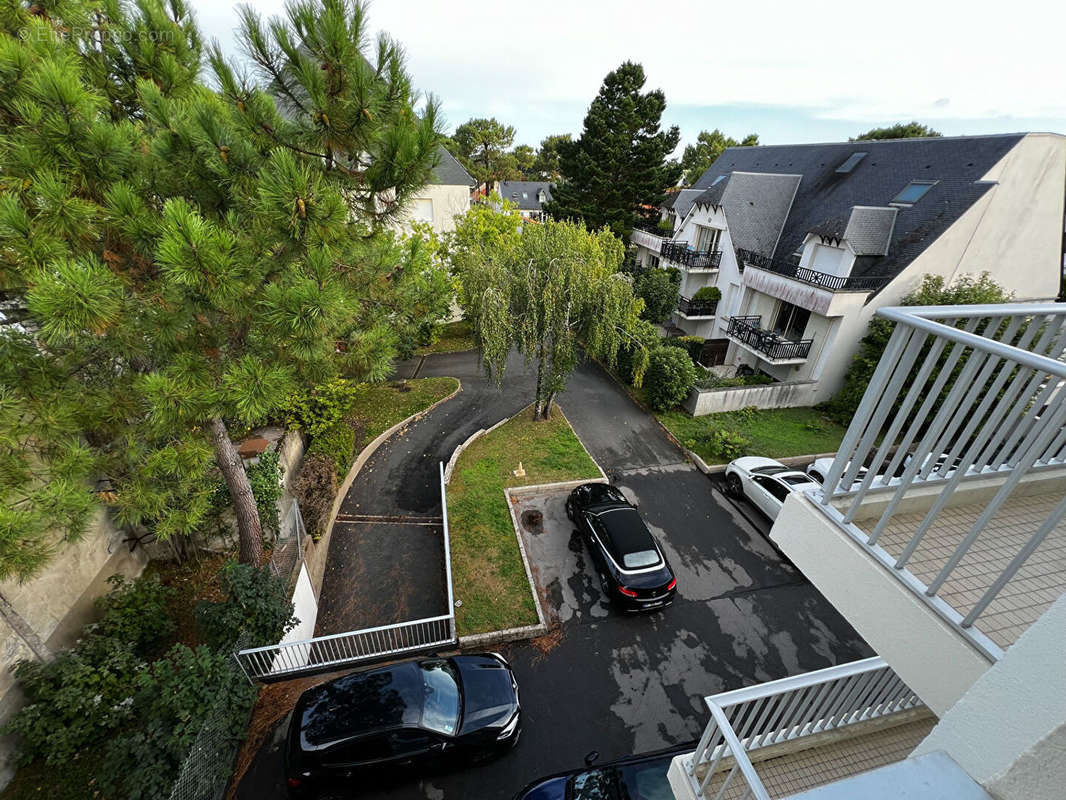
[(621, 684)]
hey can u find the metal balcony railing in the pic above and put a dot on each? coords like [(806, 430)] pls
[(682, 253), (749, 331), (749, 719), (961, 392), (696, 308), (823, 280)]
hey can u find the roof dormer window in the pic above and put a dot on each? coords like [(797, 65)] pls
[(852, 162), (913, 192)]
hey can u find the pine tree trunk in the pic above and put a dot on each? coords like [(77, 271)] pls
[(249, 530)]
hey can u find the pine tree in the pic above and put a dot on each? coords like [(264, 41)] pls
[(617, 172), (175, 260), (709, 145)]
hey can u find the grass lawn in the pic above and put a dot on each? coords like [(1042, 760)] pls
[(486, 562), (454, 337), (772, 432), (382, 405)]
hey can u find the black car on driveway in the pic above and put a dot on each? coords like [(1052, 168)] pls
[(633, 571), (400, 716)]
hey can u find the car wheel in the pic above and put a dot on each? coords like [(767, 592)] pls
[(569, 511), (734, 486), (605, 587)]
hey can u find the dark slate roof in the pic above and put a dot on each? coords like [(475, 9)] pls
[(869, 231), (524, 193), (825, 199), (682, 201), (756, 206), (449, 172)]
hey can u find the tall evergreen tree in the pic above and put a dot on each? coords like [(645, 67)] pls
[(546, 165), (174, 261), (482, 145), (616, 173)]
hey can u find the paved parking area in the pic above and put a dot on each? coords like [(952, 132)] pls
[(622, 684)]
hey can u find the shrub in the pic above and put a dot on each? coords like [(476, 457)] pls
[(723, 443), (338, 443), (713, 381), (671, 374), (136, 613), (320, 409), (315, 489), (256, 603), (708, 293), (693, 345), (80, 696), (665, 227), (173, 700), (659, 293), (73, 701), (265, 479), (633, 356)]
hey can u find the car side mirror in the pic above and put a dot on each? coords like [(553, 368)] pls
[(592, 757)]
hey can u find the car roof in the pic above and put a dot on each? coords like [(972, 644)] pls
[(624, 531), (384, 698)]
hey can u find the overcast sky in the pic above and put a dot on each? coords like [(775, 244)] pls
[(792, 72)]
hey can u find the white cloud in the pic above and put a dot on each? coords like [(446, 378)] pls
[(841, 59)]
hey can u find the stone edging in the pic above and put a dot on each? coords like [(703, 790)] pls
[(541, 626), (470, 440)]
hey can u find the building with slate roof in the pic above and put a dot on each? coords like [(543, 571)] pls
[(445, 197), (805, 242), (529, 196)]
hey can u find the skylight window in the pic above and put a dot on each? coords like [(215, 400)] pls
[(852, 162), (913, 192), (718, 180)]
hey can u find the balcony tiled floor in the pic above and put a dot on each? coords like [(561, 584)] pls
[(1039, 582), (797, 772)]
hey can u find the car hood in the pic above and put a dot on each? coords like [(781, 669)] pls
[(489, 696), (749, 463)]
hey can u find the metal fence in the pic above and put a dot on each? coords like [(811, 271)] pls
[(823, 280), (749, 719), (960, 393), (321, 653), (747, 330), (682, 253)]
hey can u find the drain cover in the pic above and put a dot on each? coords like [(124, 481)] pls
[(533, 521)]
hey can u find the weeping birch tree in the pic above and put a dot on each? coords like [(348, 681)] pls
[(546, 292)]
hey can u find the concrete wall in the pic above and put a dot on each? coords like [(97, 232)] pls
[(57, 604), (923, 649), (777, 395), (1009, 730)]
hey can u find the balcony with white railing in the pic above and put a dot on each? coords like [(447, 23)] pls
[(961, 504), (778, 738), (648, 239)]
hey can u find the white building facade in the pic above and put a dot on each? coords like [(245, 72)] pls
[(804, 243)]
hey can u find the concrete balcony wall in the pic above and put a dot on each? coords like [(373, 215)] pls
[(701, 402), (919, 644)]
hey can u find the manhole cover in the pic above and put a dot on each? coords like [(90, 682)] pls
[(533, 521)]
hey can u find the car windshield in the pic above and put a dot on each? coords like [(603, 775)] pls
[(642, 781), (796, 480), (769, 469), (643, 558), (440, 711)]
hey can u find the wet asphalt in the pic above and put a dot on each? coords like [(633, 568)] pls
[(618, 684)]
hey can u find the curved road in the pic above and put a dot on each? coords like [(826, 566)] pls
[(603, 681)]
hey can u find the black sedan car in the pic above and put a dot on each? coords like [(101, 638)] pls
[(633, 571), (641, 777), (401, 715)]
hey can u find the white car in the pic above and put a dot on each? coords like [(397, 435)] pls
[(820, 469), (765, 482)]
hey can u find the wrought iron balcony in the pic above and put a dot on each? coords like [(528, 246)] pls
[(696, 308), (747, 330), (681, 253), (823, 280)]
